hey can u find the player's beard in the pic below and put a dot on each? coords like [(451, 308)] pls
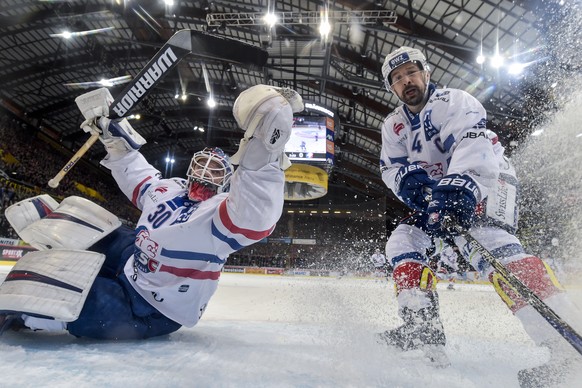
[(412, 99)]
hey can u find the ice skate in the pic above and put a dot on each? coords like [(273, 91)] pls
[(564, 369), (421, 330)]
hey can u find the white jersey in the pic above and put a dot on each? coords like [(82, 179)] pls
[(447, 137), (378, 260), (449, 258), (182, 245)]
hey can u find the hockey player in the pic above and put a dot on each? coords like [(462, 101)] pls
[(161, 275), (437, 141), (379, 262), (443, 262)]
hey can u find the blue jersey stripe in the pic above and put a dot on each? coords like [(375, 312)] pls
[(189, 255), (403, 160), (230, 241), (408, 256)]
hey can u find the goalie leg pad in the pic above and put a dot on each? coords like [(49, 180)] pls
[(76, 223), (23, 213), (52, 283)]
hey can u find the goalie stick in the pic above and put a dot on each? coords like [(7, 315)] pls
[(525, 292), (172, 52)]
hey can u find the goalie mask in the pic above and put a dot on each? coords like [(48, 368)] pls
[(209, 174)]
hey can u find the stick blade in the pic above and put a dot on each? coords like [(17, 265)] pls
[(171, 53), (227, 49)]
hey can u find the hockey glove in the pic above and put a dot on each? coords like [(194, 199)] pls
[(411, 180), (265, 113), (118, 136), (454, 199)]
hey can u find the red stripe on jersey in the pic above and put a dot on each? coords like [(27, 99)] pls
[(250, 234), (191, 273), (137, 189)]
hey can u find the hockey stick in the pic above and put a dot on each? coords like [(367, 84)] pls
[(54, 182), (172, 52), (525, 292)]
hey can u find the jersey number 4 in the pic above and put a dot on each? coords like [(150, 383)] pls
[(417, 144)]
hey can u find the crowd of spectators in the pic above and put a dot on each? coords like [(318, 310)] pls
[(28, 163)]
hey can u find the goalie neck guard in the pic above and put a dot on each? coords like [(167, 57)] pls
[(209, 174)]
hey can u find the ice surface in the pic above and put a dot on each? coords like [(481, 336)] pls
[(273, 331)]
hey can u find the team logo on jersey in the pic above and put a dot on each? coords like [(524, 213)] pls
[(275, 136), (145, 251), (435, 171), (429, 129), (397, 128), (161, 189)]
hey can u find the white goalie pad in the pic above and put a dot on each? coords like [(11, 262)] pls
[(76, 223), (27, 211), (51, 283)]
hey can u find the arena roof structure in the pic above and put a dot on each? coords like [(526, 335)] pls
[(53, 51)]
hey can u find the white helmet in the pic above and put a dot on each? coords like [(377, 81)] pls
[(399, 57), (209, 173)]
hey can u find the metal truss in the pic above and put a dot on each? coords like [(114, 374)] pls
[(383, 17)]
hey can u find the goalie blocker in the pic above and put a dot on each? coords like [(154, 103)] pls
[(265, 113)]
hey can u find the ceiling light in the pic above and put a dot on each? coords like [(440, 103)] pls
[(480, 59), (324, 28), (67, 34), (497, 61), (211, 103), (270, 19)]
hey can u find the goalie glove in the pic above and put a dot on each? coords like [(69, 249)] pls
[(265, 113), (118, 137), (94, 104)]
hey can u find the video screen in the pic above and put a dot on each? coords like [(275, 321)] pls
[(308, 139)]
